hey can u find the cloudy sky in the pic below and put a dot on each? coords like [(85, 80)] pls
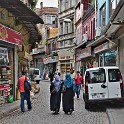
[(48, 3)]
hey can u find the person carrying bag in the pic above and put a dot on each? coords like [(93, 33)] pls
[(24, 89)]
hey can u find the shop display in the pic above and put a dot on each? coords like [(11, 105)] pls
[(5, 75), (65, 67)]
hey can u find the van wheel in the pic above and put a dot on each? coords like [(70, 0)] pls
[(87, 105)]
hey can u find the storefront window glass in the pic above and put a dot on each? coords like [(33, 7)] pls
[(101, 59), (110, 58)]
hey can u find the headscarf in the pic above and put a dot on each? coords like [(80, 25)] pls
[(68, 80), (57, 82)]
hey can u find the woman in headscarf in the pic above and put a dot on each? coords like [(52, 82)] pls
[(68, 100), (55, 97)]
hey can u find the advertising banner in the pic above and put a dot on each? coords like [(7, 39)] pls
[(10, 35)]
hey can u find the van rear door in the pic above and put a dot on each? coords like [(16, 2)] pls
[(97, 86), (114, 83)]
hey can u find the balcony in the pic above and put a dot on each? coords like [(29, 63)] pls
[(66, 36)]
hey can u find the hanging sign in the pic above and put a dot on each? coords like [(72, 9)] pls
[(9, 35)]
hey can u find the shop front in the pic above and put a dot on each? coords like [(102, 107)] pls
[(50, 64), (66, 62), (105, 55), (86, 59), (9, 39)]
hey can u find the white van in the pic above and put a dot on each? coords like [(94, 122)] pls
[(102, 84), (34, 74)]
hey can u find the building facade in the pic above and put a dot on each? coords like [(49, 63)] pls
[(66, 37), (85, 34), (48, 30), (15, 45)]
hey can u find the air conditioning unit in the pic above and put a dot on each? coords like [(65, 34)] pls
[(85, 38), (98, 31)]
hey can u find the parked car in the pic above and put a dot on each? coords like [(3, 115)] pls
[(102, 84), (34, 74)]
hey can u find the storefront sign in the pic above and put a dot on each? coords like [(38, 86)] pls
[(9, 35), (78, 54), (85, 52), (65, 55), (101, 47), (49, 60)]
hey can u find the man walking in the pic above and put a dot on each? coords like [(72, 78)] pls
[(24, 94), (78, 80)]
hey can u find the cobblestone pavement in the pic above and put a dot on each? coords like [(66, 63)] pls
[(41, 114)]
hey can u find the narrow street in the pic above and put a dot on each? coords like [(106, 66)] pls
[(41, 114)]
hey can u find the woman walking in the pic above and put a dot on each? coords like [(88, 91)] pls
[(68, 100), (55, 97)]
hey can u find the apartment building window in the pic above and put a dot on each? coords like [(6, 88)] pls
[(49, 48), (103, 15), (66, 4), (50, 19), (113, 5), (72, 22), (91, 30), (53, 46), (66, 28), (61, 28), (62, 5), (94, 28), (73, 3), (61, 43)]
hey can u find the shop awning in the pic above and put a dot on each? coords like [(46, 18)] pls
[(24, 15), (81, 44), (20, 10), (97, 41), (25, 55)]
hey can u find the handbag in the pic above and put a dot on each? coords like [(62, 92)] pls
[(52, 89), (27, 86), (63, 88)]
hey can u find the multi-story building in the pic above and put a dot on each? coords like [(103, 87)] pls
[(110, 46), (17, 24), (85, 33), (48, 30), (66, 37), (105, 51), (30, 3)]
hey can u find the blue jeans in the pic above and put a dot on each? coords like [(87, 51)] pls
[(25, 96), (78, 87)]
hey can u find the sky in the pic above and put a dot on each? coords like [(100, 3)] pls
[(47, 3)]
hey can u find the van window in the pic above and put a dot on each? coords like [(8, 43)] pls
[(36, 72), (113, 75), (97, 76)]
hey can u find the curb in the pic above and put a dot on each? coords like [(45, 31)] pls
[(110, 117), (7, 113), (15, 109)]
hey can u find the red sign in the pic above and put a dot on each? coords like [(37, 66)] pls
[(4, 86), (9, 35)]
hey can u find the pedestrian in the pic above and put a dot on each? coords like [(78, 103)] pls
[(78, 81), (57, 71), (25, 95), (55, 97), (68, 100), (51, 76)]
